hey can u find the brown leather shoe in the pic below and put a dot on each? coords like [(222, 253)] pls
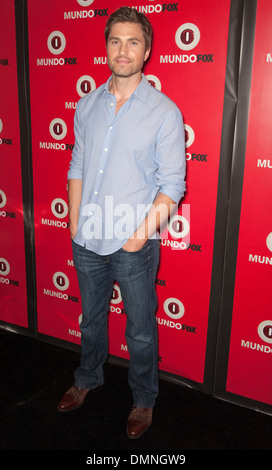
[(73, 398), (139, 420)]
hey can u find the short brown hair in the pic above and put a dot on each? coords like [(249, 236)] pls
[(130, 15)]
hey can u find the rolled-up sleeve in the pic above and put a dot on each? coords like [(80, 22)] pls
[(76, 164), (170, 156)]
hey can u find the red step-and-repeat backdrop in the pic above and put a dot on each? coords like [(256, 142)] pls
[(249, 366), (189, 62), (13, 296), (67, 60)]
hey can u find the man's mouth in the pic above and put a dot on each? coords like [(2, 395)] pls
[(122, 60)]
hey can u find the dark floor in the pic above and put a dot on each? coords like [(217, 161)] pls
[(34, 375)]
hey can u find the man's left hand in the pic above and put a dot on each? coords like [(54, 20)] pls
[(134, 244)]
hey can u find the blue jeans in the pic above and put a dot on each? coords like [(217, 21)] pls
[(135, 273)]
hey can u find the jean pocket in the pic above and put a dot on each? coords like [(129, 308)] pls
[(137, 251)]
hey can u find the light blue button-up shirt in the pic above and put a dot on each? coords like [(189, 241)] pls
[(124, 161)]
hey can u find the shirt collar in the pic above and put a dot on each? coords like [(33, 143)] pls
[(141, 91)]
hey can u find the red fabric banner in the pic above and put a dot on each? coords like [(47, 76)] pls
[(13, 298), (249, 368)]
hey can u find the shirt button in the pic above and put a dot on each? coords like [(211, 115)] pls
[(96, 193), (110, 127), (106, 149), (111, 104), (101, 171)]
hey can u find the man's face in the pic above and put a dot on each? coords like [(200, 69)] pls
[(126, 49)]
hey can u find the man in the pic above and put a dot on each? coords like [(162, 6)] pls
[(128, 159)]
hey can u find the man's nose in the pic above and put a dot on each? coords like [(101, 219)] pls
[(123, 49)]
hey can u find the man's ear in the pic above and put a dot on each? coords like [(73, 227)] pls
[(147, 53)]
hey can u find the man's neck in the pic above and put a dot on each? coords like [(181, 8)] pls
[(123, 87)]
